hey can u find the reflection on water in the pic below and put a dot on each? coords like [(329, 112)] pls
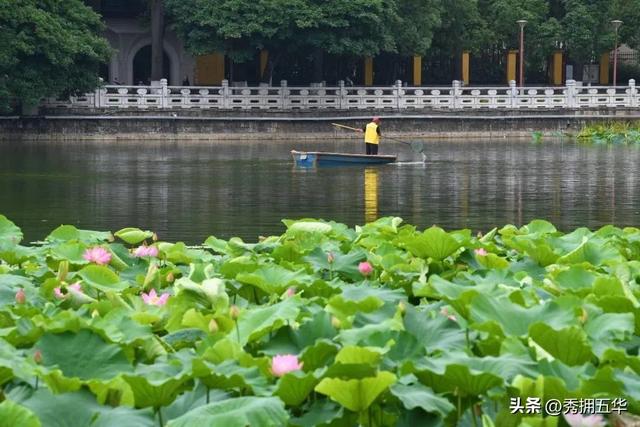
[(370, 194), (187, 191)]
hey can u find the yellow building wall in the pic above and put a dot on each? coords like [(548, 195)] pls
[(417, 70), (209, 69), (466, 70), (368, 71), (558, 62), (604, 68), (511, 65)]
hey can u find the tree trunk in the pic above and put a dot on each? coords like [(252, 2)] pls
[(318, 62), (157, 37)]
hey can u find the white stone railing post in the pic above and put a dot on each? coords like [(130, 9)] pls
[(457, 93), (633, 93), (97, 93), (399, 93), (164, 94), (513, 94), (283, 93), (225, 94), (571, 94), (341, 94)]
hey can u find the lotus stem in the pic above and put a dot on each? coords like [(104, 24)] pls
[(459, 405), (160, 417), (237, 330), (37, 381), (255, 295), (473, 416), (208, 390)]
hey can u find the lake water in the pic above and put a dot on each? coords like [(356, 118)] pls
[(189, 190)]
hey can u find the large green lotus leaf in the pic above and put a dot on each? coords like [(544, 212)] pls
[(593, 253), (69, 251), (66, 233), (132, 235), (238, 412), (358, 336), (14, 364), (459, 378), (537, 249), (357, 394), (157, 385), (354, 299), (515, 319), (123, 416), (419, 396), (119, 327), (603, 382), (405, 347), (83, 355), (612, 286), (618, 358), (14, 415), (10, 234), (63, 410), (631, 383), (434, 333), (102, 278), (543, 387), (538, 226), (256, 323), (345, 264), (307, 226), (556, 343), (230, 375), (273, 279), (294, 387), (493, 261), (576, 278), (241, 264), (358, 355), (322, 413), (609, 330), (506, 367), (320, 354), (570, 375), (17, 254), (434, 243)]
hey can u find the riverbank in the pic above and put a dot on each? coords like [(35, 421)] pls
[(296, 125)]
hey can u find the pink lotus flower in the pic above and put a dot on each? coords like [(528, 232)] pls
[(291, 292), (280, 365), (365, 268), (97, 254), (60, 295), (143, 251), (152, 298), (481, 252), (37, 357), (579, 420), (21, 298)]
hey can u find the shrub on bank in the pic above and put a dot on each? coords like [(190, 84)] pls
[(379, 325)]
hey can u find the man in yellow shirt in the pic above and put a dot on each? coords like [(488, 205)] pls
[(372, 136)]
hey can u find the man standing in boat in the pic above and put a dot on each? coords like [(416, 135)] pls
[(372, 136)]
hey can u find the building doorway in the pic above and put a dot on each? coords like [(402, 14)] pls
[(142, 66)]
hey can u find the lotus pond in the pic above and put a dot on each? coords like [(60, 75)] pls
[(378, 325)]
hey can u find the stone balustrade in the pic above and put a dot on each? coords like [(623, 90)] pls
[(341, 97)]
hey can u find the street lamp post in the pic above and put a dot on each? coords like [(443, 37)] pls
[(616, 26), (522, 23)]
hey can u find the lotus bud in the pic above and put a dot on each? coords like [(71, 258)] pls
[(481, 252), (170, 277), (584, 316), (402, 307), (291, 292), (94, 314), (330, 258), (335, 322), (63, 270), (37, 357), (21, 298), (234, 312), (213, 326), (365, 268), (154, 237)]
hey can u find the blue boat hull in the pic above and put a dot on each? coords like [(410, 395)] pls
[(319, 158)]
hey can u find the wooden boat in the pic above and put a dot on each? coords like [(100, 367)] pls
[(320, 158)]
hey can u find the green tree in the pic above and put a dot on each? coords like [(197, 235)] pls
[(48, 48)]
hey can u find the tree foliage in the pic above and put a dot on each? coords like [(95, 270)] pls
[(48, 48)]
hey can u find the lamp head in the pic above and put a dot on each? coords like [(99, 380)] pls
[(616, 24), (522, 23)]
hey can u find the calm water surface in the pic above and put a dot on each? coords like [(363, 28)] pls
[(190, 190)]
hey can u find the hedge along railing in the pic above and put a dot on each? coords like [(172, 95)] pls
[(396, 97)]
